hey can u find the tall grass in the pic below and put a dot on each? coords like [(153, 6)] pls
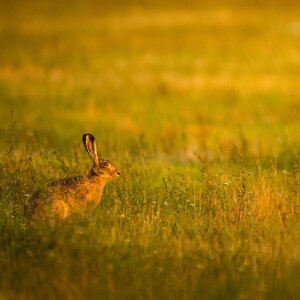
[(199, 110)]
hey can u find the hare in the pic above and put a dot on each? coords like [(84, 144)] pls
[(61, 198)]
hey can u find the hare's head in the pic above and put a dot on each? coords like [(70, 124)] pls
[(101, 167)]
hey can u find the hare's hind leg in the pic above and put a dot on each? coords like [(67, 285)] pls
[(60, 209)]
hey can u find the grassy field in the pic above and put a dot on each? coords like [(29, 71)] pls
[(198, 106)]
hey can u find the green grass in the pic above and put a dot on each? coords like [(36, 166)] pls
[(198, 106)]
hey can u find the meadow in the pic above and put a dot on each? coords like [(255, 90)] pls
[(199, 107)]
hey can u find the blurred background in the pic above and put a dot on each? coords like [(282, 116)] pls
[(162, 79)]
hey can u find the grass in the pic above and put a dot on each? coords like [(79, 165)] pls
[(198, 106)]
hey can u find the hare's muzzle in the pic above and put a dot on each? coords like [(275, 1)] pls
[(114, 172)]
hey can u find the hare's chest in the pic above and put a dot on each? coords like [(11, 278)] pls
[(93, 194)]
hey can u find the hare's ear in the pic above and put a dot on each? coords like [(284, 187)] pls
[(90, 145)]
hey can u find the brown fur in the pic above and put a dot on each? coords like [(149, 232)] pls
[(68, 195)]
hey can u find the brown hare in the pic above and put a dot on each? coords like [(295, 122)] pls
[(61, 198)]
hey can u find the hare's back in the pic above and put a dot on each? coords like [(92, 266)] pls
[(59, 195)]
